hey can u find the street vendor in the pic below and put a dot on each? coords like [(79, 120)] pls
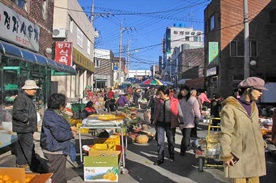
[(242, 144), (123, 100), (88, 110), (87, 93)]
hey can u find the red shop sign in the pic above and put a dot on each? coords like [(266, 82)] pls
[(64, 52)]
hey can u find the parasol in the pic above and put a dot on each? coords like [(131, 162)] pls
[(153, 82)]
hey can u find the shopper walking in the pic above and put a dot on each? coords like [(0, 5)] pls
[(56, 135), (241, 141), (24, 123), (167, 116), (191, 114)]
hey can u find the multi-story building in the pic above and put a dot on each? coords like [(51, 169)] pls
[(26, 49), (154, 69), (224, 43), (119, 73), (190, 66), (72, 28), (175, 37), (103, 76)]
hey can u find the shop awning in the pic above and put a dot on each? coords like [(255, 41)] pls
[(13, 51), (197, 83)]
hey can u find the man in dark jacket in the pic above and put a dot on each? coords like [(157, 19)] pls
[(24, 123)]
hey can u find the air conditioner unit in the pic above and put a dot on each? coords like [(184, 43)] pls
[(60, 33)]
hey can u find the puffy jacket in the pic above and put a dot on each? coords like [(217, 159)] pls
[(190, 110), (241, 136), (24, 117), (55, 133), (176, 113)]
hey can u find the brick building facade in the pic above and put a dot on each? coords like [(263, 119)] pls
[(41, 13), (224, 26)]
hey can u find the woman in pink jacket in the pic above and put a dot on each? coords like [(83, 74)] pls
[(191, 114), (167, 116)]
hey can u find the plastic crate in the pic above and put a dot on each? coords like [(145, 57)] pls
[(77, 107)]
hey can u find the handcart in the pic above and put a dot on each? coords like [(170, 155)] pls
[(208, 153)]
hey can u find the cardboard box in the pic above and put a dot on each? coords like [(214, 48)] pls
[(101, 168), (20, 175)]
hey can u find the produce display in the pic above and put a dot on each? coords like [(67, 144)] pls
[(107, 117), (7, 179), (142, 139)]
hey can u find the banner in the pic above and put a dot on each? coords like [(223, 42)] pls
[(213, 52), (64, 52)]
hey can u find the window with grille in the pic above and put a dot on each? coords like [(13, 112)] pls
[(20, 3)]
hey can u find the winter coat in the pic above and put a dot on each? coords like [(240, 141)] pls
[(190, 110), (55, 133), (24, 117), (176, 113), (242, 137), (87, 111), (122, 101)]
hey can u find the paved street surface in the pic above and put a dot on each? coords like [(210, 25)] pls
[(139, 163)]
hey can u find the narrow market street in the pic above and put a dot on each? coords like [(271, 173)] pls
[(140, 159)]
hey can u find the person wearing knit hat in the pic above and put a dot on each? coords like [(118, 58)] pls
[(242, 144)]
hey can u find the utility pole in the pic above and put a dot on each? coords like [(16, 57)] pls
[(122, 29), (128, 55), (92, 13), (246, 39)]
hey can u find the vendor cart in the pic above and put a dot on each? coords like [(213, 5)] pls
[(92, 123), (208, 153)]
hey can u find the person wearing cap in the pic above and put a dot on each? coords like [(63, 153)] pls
[(242, 144), (24, 123)]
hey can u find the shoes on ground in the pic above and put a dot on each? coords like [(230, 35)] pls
[(159, 162), (172, 157)]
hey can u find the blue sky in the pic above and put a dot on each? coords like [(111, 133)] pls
[(144, 23)]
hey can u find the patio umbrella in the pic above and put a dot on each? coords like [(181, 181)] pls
[(153, 82)]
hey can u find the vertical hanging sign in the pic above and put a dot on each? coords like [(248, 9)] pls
[(213, 52), (64, 52)]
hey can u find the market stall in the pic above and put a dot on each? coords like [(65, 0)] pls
[(106, 155)]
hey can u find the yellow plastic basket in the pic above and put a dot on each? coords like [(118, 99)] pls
[(82, 130)]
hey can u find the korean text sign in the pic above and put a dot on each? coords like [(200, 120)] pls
[(64, 52), (17, 29)]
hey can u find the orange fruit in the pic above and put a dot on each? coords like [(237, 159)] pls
[(27, 179), (16, 181), (113, 177), (6, 178), (9, 181), (1, 181)]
